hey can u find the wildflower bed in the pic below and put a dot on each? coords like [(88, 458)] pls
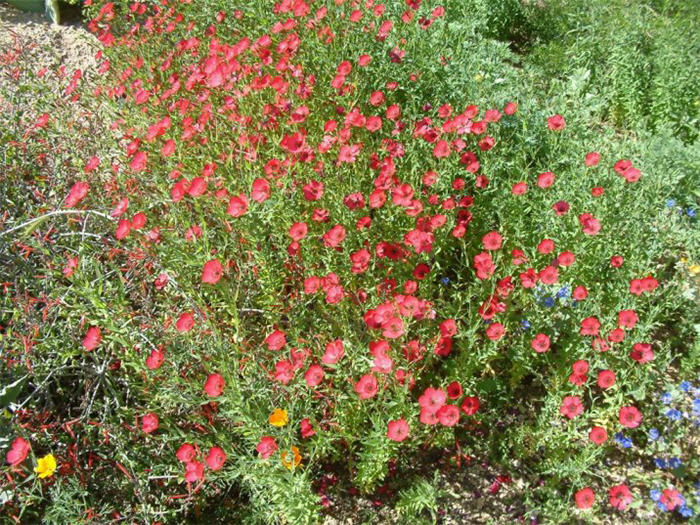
[(265, 252)]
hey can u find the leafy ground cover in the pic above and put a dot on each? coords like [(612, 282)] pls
[(362, 262)]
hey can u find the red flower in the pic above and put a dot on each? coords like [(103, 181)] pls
[(630, 417), (589, 224), (186, 453), (470, 405), (441, 149), (519, 188), (454, 390), (155, 359), (585, 498), (92, 338), (18, 451), (616, 336), (540, 343), (566, 259), (492, 241), (211, 273), (334, 352), (185, 322), (298, 231), (313, 376), (261, 190), (495, 331), (194, 471), (366, 387), (266, 447), (138, 163), (545, 180), (616, 261), (313, 191), (556, 122), (671, 499), (397, 430), (571, 406), (510, 108), (77, 193), (560, 208), (545, 246), (579, 293), (606, 379), (592, 159), (216, 458), (214, 385), (284, 371), (333, 237), (123, 229), (432, 399), (276, 340), (306, 429), (549, 275), (598, 435), (627, 318), (590, 326), (448, 328), (120, 208), (237, 205), (620, 496), (149, 423), (483, 264), (642, 353), (448, 415)]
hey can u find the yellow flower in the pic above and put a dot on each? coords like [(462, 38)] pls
[(46, 466), (278, 418), (694, 269), (291, 463)]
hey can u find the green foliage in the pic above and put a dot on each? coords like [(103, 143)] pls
[(622, 73)]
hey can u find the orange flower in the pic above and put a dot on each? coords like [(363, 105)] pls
[(291, 463), (278, 418)]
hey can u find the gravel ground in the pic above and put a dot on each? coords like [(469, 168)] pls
[(30, 41)]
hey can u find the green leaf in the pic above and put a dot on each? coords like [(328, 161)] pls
[(9, 393)]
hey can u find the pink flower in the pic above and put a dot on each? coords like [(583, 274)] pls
[(216, 458), (92, 338), (630, 417), (211, 273), (18, 451), (214, 385), (266, 447), (149, 423), (556, 122), (397, 430), (366, 387)]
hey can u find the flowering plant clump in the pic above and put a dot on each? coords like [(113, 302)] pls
[(304, 251)]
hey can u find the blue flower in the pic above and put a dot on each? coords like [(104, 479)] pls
[(660, 463), (670, 203), (674, 463), (653, 434), (655, 495), (624, 441), (661, 506), (445, 280), (666, 398), (696, 407), (548, 302), (563, 292), (686, 386), (526, 324), (686, 511), (673, 414), (690, 212)]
